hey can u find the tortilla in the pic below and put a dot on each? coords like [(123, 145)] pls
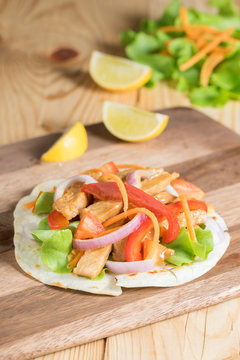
[(28, 256)]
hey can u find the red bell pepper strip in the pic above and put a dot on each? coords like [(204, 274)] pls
[(57, 221), (193, 205), (110, 191), (133, 248), (109, 168), (88, 227)]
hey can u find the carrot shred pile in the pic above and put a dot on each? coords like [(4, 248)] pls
[(206, 49), (188, 217), (121, 186), (207, 41)]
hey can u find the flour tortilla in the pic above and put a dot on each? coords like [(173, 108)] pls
[(28, 256)]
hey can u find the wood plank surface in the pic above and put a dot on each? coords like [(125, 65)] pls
[(44, 89), (57, 326), (39, 96)]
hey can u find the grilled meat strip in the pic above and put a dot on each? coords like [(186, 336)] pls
[(72, 201)]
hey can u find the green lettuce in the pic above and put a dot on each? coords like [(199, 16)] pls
[(145, 44), (55, 250), (44, 203), (186, 250), (42, 235), (145, 47), (208, 96), (170, 14), (225, 7), (100, 276), (43, 224), (227, 73)]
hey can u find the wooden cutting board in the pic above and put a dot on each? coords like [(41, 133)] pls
[(36, 319)]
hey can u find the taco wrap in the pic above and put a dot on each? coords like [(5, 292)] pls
[(117, 226)]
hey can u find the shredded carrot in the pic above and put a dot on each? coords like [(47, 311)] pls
[(108, 231), (75, 260), (223, 49), (211, 62), (188, 217), (203, 40), (32, 204), (206, 49), (171, 28), (147, 212), (121, 186), (120, 166), (92, 170), (183, 16)]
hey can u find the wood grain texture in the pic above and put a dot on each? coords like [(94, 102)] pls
[(45, 48), (57, 326)]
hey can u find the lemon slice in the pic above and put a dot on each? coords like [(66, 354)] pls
[(117, 73), (132, 124), (70, 145)]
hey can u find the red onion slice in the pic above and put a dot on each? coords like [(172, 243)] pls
[(86, 179), (118, 267), (27, 228), (111, 238), (216, 230), (170, 189), (134, 178)]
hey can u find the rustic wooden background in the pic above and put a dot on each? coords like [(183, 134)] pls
[(44, 88)]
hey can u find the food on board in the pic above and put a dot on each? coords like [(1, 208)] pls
[(119, 225), (132, 124), (115, 73), (69, 146)]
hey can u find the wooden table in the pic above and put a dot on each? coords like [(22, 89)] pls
[(44, 90)]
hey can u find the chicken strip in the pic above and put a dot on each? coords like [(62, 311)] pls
[(165, 197), (158, 183), (103, 210), (92, 262), (72, 201), (118, 253), (198, 217)]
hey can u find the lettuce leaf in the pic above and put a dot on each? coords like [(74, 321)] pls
[(44, 203), (145, 44), (186, 249), (170, 13), (208, 96), (225, 7), (181, 49), (226, 75), (43, 224), (100, 276), (180, 258), (42, 235), (127, 36), (55, 250)]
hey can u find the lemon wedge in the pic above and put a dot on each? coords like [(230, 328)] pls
[(116, 73), (70, 145), (132, 124)]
